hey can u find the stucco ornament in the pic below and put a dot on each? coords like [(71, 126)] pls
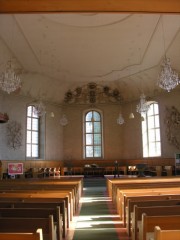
[(14, 135), (172, 121)]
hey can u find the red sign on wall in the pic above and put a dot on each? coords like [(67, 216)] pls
[(15, 168)]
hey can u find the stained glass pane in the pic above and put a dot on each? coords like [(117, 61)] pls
[(89, 151), (29, 111), (28, 150), (32, 134), (151, 122), (158, 135), (33, 113), (97, 139), (97, 127), (96, 116), (152, 149), (28, 140), (29, 123), (35, 125), (89, 127), (97, 151), (93, 131), (156, 109), (157, 121), (151, 110), (34, 150), (89, 116), (152, 136), (158, 149), (35, 137), (151, 132), (89, 139)]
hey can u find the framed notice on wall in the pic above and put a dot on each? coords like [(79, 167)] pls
[(15, 168)]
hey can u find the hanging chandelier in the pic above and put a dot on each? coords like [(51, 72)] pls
[(142, 107), (168, 78), (39, 109), (9, 81), (63, 120), (120, 119)]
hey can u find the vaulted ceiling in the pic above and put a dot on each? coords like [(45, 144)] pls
[(62, 51)]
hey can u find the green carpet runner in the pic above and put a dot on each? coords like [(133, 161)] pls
[(95, 221)]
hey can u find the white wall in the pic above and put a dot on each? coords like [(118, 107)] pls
[(120, 141), (15, 107)]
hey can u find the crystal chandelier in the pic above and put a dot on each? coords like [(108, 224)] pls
[(39, 109), (131, 115), (9, 81), (168, 78), (120, 119), (64, 120), (142, 107)]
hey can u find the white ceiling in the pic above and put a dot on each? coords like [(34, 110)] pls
[(58, 52)]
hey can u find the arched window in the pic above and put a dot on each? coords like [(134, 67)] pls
[(151, 132), (32, 133), (93, 134)]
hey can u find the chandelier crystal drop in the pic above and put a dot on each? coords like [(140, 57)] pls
[(168, 78), (9, 81), (39, 109), (120, 119), (142, 107)]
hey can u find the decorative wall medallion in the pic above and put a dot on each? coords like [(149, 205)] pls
[(14, 135), (93, 93), (172, 122)]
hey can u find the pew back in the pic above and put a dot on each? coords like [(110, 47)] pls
[(170, 222), (26, 225), (166, 234), (22, 236)]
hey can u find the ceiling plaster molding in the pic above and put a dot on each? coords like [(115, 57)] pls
[(49, 19), (146, 6), (26, 39)]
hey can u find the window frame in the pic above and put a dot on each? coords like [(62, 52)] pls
[(146, 129), (84, 134), (31, 130)]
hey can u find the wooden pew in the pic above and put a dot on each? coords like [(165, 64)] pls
[(169, 222), (166, 234), (35, 213), (150, 198), (37, 197), (134, 182), (150, 193), (35, 193), (74, 186), (22, 236), (146, 203), (28, 225), (38, 203), (143, 186), (45, 188), (122, 194), (150, 211)]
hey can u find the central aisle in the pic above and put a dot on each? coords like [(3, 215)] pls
[(97, 218)]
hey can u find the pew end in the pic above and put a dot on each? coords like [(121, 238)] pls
[(38, 235), (160, 234)]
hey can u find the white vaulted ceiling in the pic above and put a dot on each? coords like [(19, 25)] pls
[(58, 52)]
